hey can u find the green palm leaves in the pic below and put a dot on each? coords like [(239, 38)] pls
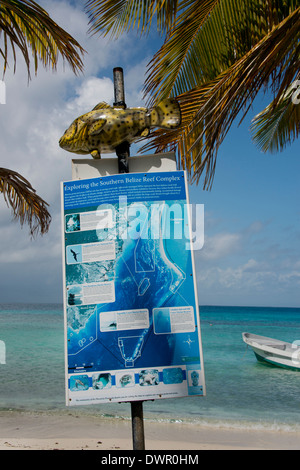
[(26, 205), (209, 109), (118, 16), (25, 26), (279, 122), (217, 55)]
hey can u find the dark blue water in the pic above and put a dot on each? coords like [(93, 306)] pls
[(240, 391)]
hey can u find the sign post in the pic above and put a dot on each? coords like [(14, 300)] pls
[(132, 326), (123, 153), (122, 150), (137, 423)]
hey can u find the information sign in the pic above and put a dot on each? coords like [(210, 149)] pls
[(132, 328)]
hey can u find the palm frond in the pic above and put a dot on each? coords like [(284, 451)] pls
[(213, 107), (278, 124), (176, 67), (216, 57), (207, 37), (26, 205), (28, 27), (119, 16)]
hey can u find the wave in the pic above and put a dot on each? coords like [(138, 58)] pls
[(204, 422)]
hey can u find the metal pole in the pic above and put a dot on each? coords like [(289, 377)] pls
[(122, 150), (119, 87), (123, 153), (137, 418)]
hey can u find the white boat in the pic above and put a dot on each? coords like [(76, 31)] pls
[(273, 351)]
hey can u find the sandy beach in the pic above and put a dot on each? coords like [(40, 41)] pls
[(44, 431)]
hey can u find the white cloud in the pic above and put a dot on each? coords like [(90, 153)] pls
[(89, 93), (245, 264), (36, 114), (34, 118), (251, 274), (253, 282), (291, 277), (220, 245), (32, 121)]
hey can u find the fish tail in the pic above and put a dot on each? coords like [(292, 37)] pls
[(166, 114)]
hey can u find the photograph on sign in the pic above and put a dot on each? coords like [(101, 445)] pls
[(132, 327)]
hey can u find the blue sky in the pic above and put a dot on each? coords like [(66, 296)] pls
[(251, 250), (252, 225)]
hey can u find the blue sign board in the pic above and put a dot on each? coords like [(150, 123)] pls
[(132, 329)]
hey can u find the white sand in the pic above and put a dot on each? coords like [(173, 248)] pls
[(43, 431)]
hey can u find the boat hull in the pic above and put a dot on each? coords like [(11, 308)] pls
[(274, 352), (274, 363)]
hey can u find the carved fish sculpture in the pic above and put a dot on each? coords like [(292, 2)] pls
[(105, 127)]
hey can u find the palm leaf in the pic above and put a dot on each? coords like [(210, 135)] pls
[(206, 38), (28, 27), (26, 205), (217, 55), (213, 107), (118, 16), (175, 67), (277, 124)]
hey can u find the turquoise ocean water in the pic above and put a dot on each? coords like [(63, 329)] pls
[(240, 391)]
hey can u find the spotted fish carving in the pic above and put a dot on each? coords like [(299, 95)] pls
[(105, 127)]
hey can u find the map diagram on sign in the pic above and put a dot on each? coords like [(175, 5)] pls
[(113, 273), (129, 297)]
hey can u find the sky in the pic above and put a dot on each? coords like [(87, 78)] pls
[(250, 255)]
